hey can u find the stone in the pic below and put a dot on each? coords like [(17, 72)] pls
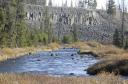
[(71, 74)]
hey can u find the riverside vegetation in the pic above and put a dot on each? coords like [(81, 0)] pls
[(31, 79), (16, 40), (114, 59), (8, 53), (101, 51)]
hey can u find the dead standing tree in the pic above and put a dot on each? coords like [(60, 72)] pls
[(122, 24)]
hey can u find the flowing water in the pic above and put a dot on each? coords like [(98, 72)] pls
[(63, 62)]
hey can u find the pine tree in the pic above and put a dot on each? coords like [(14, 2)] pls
[(111, 7), (47, 26), (75, 33), (126, 44), (9, 10), (50, 3), (20, 26), (92, 4), (116, 38), (2, 18), (11, 14), (2, 24), (95, 4)]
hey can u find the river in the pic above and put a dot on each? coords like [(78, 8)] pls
[(63, 62)]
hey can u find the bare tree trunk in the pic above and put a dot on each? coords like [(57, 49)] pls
[(122, 24)]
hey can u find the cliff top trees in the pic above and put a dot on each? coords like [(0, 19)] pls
[(111, 7), (95, 4), (122, 42), (91, 4), (50, 3)]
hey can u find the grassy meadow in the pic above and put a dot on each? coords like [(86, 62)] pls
[(31, 79)]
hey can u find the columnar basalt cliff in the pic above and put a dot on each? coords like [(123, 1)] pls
[(90, 23)]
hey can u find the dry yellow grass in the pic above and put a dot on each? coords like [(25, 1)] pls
[(7, 53), (31, 79), (51, 47), (103, 51), (111, 57)]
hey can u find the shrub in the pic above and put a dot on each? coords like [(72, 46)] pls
[(67, 39), (111, 66)]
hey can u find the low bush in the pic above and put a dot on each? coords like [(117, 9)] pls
[(111, 66)]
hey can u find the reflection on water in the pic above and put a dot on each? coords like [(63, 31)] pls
[(61, 62)]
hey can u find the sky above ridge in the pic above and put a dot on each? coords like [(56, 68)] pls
[(101, 3)]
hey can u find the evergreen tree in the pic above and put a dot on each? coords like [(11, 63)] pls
[(111, 7), (116, 38), (126, 45), (47, 26), (92, 4), (10, 25), (2, 24), (95, 4), (75, 33), (2, 18), (9, 14), (50, 3), (20, 26), (13, 29)]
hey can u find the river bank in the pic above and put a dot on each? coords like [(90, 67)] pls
[(105, 52), (100, 50), (33, 79), (10, 53), (113, 59)]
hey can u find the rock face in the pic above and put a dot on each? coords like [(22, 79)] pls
[(90, 24), (35, 2)]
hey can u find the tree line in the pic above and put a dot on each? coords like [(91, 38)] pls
[(120, 38), (14, 32)]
